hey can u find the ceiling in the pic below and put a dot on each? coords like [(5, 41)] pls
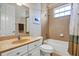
[(53, 5)]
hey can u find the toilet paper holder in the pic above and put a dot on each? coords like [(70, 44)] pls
[(61, 35)]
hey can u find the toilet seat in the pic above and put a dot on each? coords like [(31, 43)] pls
[(46, 48)]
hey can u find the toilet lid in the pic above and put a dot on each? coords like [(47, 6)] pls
[(48, 47)]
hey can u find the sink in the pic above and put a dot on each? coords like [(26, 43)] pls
[(20, 41)]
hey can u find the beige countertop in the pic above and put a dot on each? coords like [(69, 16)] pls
[(7, 45)]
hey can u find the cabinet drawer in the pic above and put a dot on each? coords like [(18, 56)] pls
[(16, 52), (34, 45), (25, 54)]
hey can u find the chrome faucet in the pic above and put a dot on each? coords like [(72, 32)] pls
[(18, 36)]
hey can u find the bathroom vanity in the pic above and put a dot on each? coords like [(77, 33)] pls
[(28, 46)]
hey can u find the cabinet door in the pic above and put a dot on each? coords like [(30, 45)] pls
[(34, 52), (20, 51), (35, 44), (25, 54)]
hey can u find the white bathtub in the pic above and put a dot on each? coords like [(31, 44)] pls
[(58, 45)]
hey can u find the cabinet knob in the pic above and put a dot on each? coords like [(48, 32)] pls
[(30, 54), (18, 53), (35, 45)]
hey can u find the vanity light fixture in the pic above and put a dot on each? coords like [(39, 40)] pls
[(19, 4)]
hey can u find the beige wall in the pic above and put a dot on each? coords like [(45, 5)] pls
[(58, 26), (44, 20)]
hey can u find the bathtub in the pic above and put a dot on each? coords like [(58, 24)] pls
[(60, 46)]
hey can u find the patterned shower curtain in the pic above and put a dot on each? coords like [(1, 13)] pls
[(74, 31)]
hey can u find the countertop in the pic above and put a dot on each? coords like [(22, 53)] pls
[(10, 44)]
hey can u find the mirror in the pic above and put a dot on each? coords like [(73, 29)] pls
[(14, 19)]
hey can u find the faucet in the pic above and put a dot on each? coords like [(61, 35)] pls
[(18, 36)]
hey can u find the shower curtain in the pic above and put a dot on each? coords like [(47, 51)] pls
[(74, 31)]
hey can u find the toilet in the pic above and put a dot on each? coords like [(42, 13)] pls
[(46, 50)]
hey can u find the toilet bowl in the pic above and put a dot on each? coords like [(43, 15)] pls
[(47, 48)]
